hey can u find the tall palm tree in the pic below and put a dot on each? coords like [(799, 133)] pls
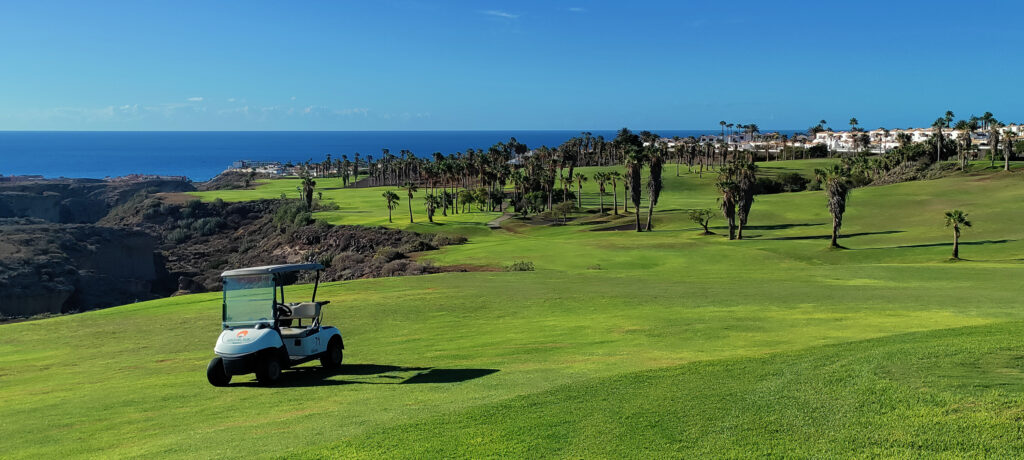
[(994, 129), (730, 193), (938, 125), (580, 178), (392, 200), (654, 183), (307, 189), (1008, 149), (614, 176), (410, 188), (601, 178), (745, 180), (722, 123), (965, 129), (949, 117), (956, 219), (634, 167), (835, 180), (431, 203)]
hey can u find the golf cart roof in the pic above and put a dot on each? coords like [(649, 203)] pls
[(270, 269)]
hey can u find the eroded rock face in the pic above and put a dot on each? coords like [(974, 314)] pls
[(49, 268), (75, 201)]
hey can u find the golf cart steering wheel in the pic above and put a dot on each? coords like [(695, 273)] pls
[(283, 309)]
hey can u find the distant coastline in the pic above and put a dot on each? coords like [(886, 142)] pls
[(200, 155)]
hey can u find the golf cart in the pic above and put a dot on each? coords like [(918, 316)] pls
[(263, 334)]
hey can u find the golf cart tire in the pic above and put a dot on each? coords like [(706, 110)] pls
[(331, 357), (215, 373), (269, 368)]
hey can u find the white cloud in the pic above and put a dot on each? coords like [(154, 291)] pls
[(231, 99), (195, 99), (501, 14), (293, 98), (577, 9)]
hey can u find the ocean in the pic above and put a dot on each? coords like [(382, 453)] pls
[(200, 155)]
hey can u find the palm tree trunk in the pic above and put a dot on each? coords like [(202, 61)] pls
[(615, 200), (650, 215), (956, 243), (410, 211), (602, 202), (835, 233), (637, 214), (389, 216)]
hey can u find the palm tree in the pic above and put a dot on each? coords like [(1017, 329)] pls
[(835, 180), (1008, 149), (949, 117), (938, 125), (392, 200), (727, 202), (410, 188), (431, 203), (307, 189), (745, 179), (614, 176), (654, 184), (993, 138), (634, 167), (722, 123), (956, 219), (601, 178), (580, 179)]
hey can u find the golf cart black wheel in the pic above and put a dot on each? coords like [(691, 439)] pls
[(332, 356), (269, 369), (215, 373)]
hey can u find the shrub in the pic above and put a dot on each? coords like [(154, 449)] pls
[(347, 259), (207, 225), (520, 266), (441, 240), (177, 236), (387, 254), (326, 260), (417, 246)]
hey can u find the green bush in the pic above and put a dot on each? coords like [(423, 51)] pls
[(388, 253), (177, 236), (520, 266), (441, 240)]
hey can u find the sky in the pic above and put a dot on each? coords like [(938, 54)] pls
[(485, 65)]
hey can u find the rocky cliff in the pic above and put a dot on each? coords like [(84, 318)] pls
[(51, 268)]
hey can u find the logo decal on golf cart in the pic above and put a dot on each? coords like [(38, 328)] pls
[(241, 333)]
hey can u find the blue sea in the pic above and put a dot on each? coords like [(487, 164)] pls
[(202, 155)]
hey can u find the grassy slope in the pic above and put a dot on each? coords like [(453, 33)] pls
[(678, 342)]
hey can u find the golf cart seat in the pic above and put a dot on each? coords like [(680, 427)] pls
[(304, 310)]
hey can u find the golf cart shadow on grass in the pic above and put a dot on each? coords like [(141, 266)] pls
[(373, 374)]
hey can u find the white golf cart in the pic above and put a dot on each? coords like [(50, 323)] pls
[(258, 331)]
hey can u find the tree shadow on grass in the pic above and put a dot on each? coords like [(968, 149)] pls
[(779, 227), (826, 237), (382, 374), (949, 244)]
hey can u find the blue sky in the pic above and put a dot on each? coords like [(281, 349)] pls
[(411, 65)]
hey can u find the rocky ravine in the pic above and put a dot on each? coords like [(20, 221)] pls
[(147, 247)]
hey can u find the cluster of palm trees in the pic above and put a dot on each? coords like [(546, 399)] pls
[(736, 182)]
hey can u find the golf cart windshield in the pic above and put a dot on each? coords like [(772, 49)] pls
[(248, 299)]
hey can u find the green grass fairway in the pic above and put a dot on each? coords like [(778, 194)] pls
[(661, 344)]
